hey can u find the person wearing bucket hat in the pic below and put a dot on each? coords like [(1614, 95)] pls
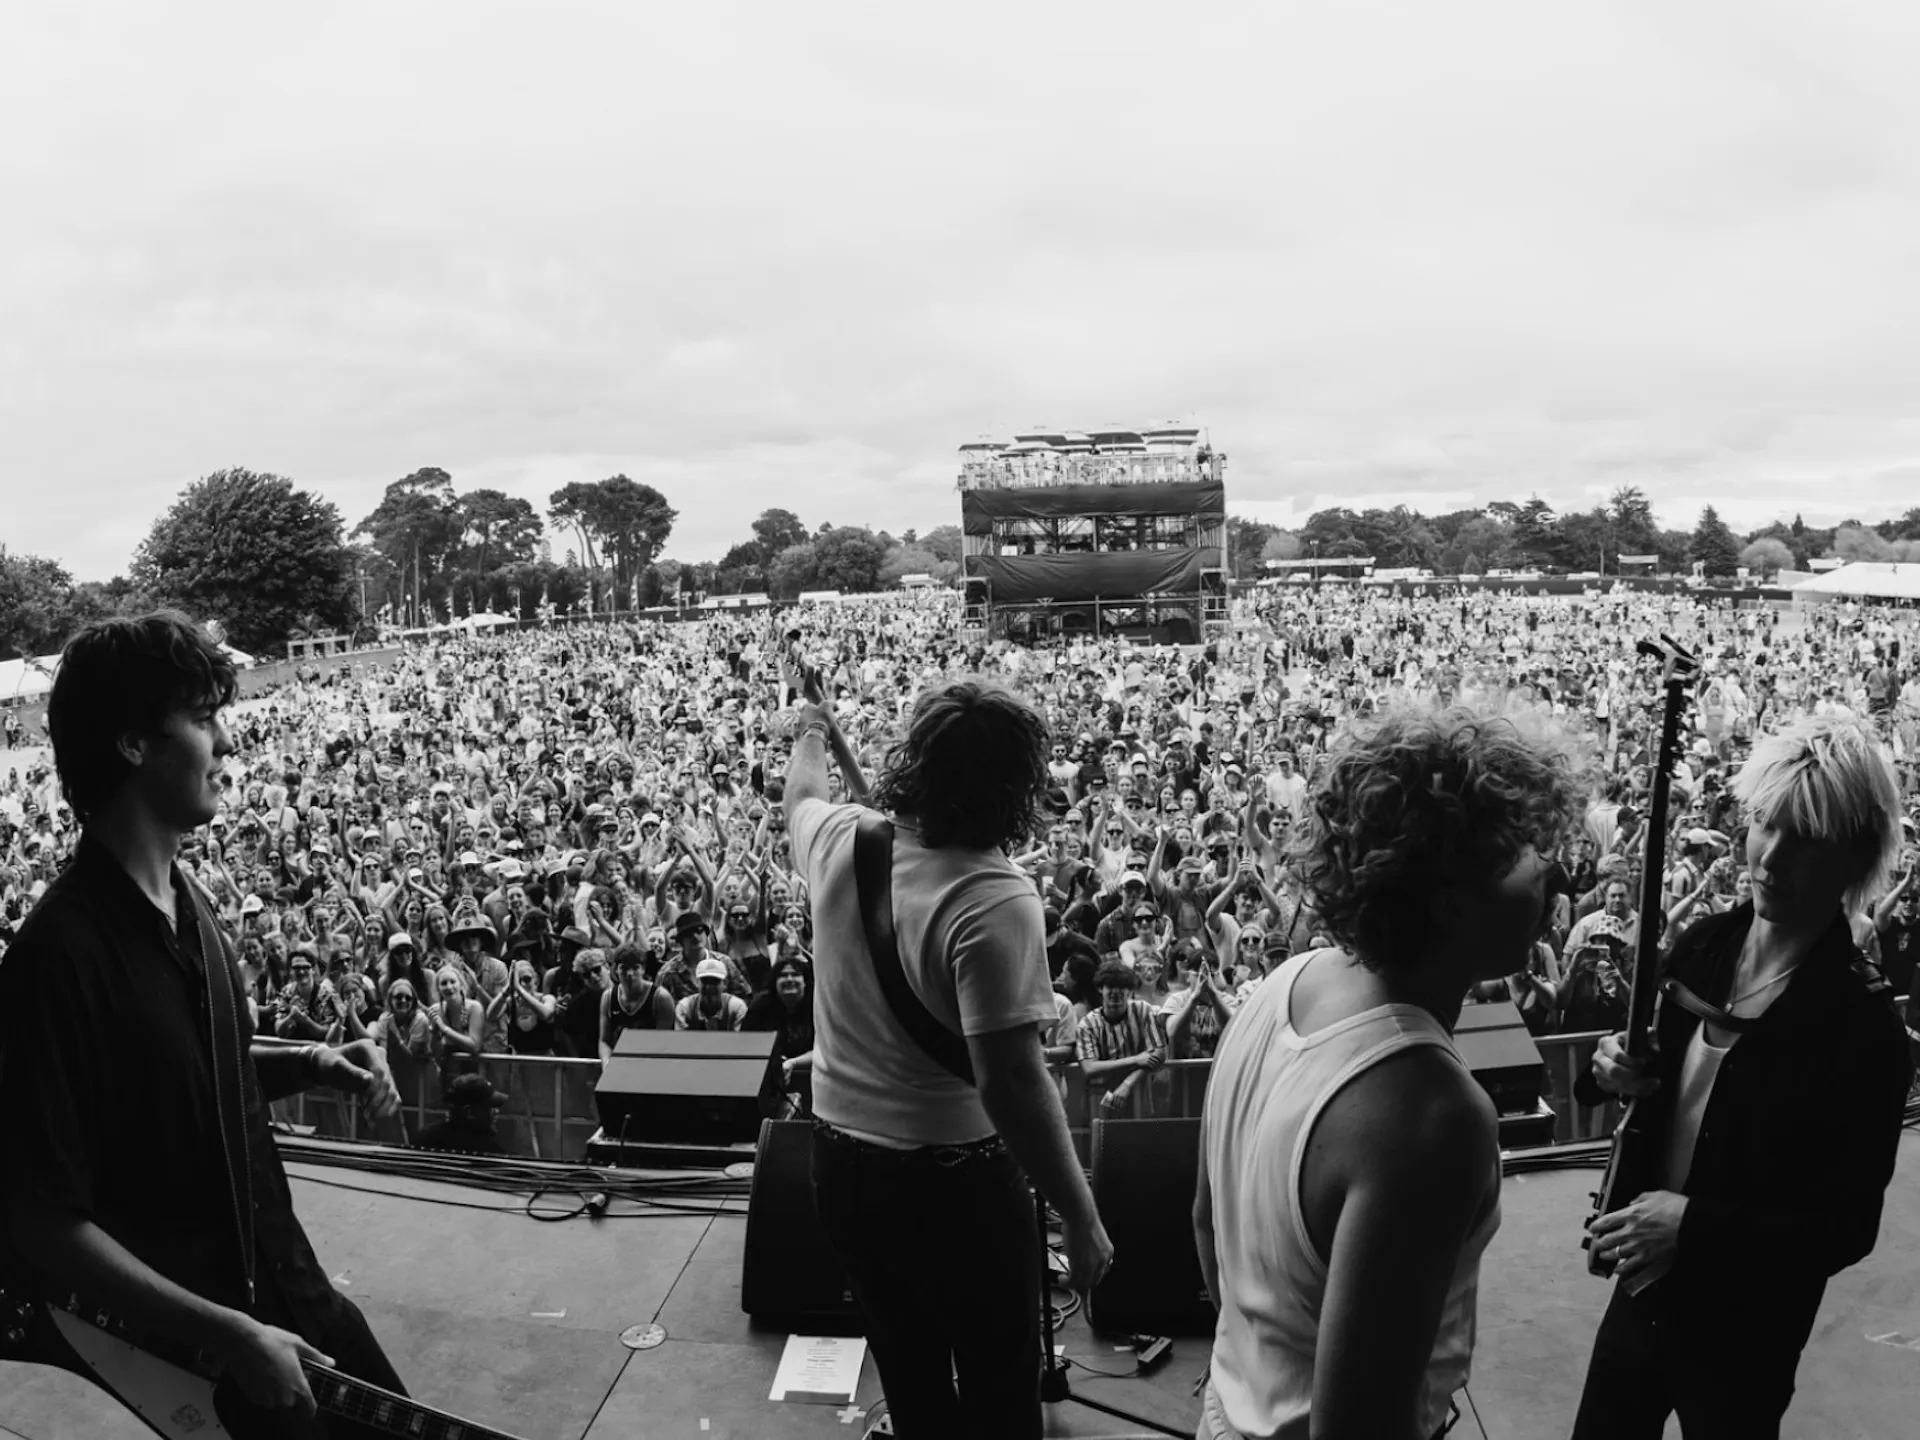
[(678, 975), (471, 1103), (473, 939)]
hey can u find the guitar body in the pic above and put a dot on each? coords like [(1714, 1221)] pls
[(1632, 1161), (180, 1393), (172, 1400)]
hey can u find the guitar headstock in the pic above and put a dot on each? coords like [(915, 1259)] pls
[(1677, 664)]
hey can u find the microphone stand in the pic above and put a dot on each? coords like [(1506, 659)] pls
[(1053, 1368)]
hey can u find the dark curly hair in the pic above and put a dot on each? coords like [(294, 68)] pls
[(1417, 801), (122, 675), (971, 769)]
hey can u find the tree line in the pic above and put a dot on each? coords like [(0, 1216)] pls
[(1532, 536), (271, 561)]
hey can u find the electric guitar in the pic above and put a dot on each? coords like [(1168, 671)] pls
[(180, 1392), (1631, 1162)]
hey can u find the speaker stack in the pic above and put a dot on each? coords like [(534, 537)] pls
[(790, 1276)]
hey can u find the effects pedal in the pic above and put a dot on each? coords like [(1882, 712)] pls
[(1150, 1350)]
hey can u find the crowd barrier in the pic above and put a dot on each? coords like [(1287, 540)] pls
[(549, 1113)]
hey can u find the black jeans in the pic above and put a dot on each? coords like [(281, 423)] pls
[(1652, 1359), (943, 1257)]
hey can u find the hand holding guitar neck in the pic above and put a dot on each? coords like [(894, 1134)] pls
[(1621, 1063)]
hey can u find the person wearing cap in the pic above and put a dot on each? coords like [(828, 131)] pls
[(1696, 846), (402, 962), (711, 1007), (909, 1142), (1116, 927), (471, 1104), (140, 740)]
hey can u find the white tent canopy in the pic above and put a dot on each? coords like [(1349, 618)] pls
[(27, 679), (485, 620), (1867, 580)]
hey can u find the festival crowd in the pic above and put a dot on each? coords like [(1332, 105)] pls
[(528, 844)]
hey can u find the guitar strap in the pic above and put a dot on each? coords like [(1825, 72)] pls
[(229, 1070), (873, 877)]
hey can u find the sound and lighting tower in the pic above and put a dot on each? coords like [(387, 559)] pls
[(1095, 533)]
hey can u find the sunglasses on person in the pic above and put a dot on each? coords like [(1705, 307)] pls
[(1143, 919)]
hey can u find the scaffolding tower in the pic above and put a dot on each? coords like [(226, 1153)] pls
[(1094, 534)]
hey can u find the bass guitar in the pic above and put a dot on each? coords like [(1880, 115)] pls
[(1631, 1163), (179, 1392)]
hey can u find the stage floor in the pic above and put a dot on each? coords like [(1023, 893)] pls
[(517, 1325)]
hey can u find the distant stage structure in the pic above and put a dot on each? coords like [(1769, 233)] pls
[(1094, 533)]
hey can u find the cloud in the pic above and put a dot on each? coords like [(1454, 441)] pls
[(759, 255)]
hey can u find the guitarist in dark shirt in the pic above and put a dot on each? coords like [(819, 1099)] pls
[(1778, 1081), (141, 1174)]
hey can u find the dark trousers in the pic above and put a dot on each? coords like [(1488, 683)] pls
[(943, 1257), (1651, 1360)]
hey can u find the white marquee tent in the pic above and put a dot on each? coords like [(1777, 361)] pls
[(27, 679), (1864, 580)]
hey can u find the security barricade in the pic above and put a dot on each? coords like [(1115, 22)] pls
[(550, 1112)]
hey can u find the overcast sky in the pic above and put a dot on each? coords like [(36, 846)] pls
[(794, 254)]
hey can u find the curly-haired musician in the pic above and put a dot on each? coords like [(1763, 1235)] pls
[(1351, 1170), (1779, 1081)]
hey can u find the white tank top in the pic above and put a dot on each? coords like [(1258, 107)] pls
[(1268, 1086)]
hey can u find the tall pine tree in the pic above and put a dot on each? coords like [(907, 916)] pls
[(1713, 545)]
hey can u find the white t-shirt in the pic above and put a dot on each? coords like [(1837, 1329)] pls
[(973, 946)]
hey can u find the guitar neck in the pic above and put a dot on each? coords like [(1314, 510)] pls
[(1653, 887), (349, 1399)]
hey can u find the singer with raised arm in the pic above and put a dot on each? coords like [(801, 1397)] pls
[(932, 1099), (140, 1171), (1777, 1089)]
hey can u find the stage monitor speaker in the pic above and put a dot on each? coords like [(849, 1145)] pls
[(789, 1275), (1144, 1174), (1501, 1053), (686, 1085)]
